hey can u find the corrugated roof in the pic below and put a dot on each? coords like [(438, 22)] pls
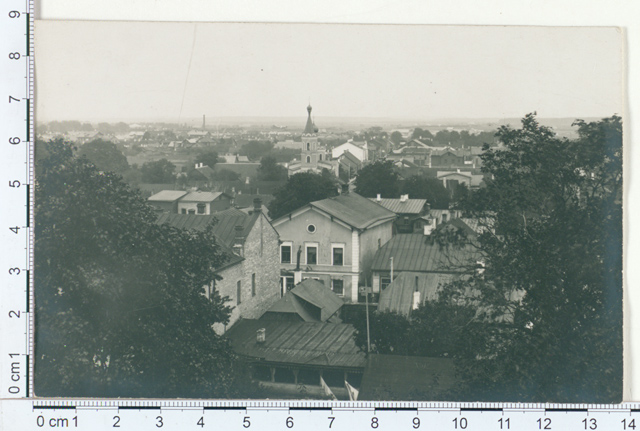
[(396, 377), (415, 252), (409, 206), (398, 296), (167, 196), (201, 196), (301, 343), (354, 210)]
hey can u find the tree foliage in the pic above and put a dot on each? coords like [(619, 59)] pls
[(119, 299), (429, 188), (396, 137), (208, 158), (270, 170), (254, 150), (158, 172), (105, 155), (379, 177), (299, 190), (551, 293)]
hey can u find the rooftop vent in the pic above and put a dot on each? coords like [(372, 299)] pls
[(261, 335)]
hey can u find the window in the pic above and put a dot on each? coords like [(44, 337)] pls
[(201, 208), (308, 148), (253, 284), (239, 292), (289, 283), (337, 285), (337, 255), (191, 211), (311, 228), (385, 280), (285, 253), (320, 157), (308, 159), (312, 254), (184, 211)]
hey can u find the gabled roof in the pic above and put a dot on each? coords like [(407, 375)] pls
[(396, 377), (353, 209), (206, 171), (350, 157), (223, 229), (202, 196), (300, 343), (409, 206), (167, 196), (397, 297), (317, 294), (416, 252)]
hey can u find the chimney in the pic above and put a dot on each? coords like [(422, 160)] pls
[(378, 197), (416, 300), (257, 205), (238, 240), (345, 189), (261, 335), (404, 198)]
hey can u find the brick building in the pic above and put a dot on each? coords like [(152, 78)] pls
[(251, 276)]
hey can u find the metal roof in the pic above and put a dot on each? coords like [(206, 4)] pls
[(353, 209), (398, 296), (317, 294), (299, 343), (415, 252), (409, 206), (201, 197), (224, 227), (167, 196), (396, 377)]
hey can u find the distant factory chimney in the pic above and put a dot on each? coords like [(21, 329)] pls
[(203, 122)]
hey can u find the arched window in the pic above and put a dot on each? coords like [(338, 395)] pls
[(320, 157), (308, 158), (308, 146)]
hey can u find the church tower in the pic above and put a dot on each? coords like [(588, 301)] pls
[(310, 154)]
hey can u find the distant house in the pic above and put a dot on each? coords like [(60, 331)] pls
[(358, 151), (410, 213), (167, 200), (203, 203), (350, 163), (407, 378), (333, 240), (309, 301), (417, 253), (451, 179), (251, 274), (296, 359)]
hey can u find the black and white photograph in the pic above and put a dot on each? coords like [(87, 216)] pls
[(329, 212)]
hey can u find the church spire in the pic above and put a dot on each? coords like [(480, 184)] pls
[(309, 129)]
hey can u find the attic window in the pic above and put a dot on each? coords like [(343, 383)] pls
[(201, 208), (311, 228)]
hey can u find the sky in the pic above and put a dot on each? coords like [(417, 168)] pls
[(137, 71)]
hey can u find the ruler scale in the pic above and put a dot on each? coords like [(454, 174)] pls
[(18, 408)]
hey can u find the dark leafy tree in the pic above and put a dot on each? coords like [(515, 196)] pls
[(429, 188), (120, 301), (105, 155), (551, 293), (270, 170), (208, 158), (396, 137), (379, 177), (421, 134), (254, 150), (299, 190), (158, 172)]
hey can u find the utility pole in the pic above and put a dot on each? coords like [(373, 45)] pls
[(366, 301)]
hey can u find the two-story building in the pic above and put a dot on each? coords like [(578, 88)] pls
[(411, 213), (251, 274), (333, 240), (182, 202)]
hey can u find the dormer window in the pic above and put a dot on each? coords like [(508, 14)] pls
[(201, 208)]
